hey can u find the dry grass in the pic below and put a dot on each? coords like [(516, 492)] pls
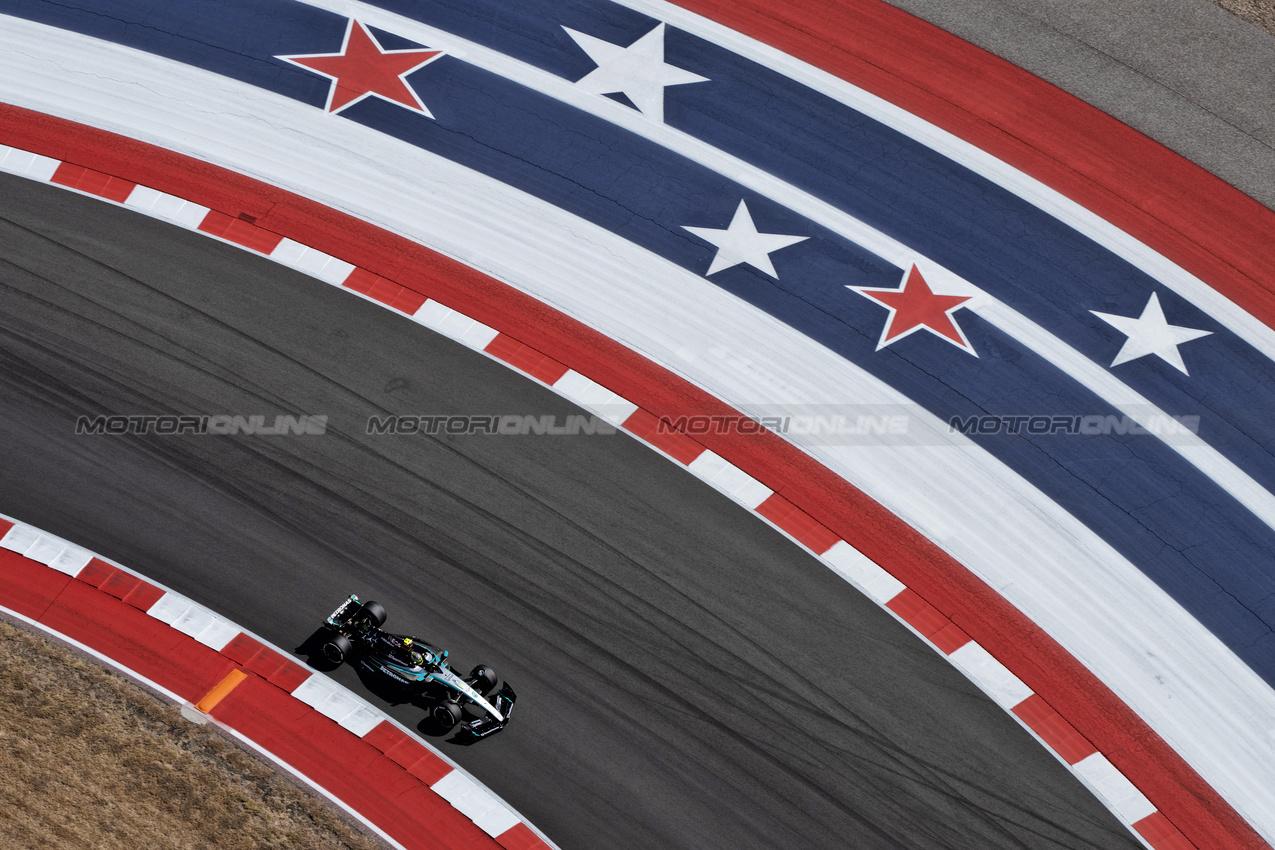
[(1257, 12), (88, 760)]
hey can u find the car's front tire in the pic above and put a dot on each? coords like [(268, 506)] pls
[(482, 679), (444, 716), (337, 649)]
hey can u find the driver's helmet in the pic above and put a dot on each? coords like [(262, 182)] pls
[(418, 659)]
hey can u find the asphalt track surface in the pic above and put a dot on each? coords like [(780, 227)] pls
[(585, 564), (686, 676)]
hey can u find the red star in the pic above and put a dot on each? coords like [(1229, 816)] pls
[(362, 68), (914, 307)]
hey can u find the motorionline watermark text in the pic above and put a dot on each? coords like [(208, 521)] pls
[(849, 425), (1092, 425), (501, 423), (200, 424)]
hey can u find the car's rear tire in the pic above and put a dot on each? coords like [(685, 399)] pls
[(337, 648), (482, 679), (444, 716), (374, 612)]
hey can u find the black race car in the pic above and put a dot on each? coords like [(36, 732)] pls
[(417, 670)]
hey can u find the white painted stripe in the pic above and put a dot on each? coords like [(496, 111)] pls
[(859, 570), (454, 324), (594, 397), (1129, 804), (730, 479), (990, 675)]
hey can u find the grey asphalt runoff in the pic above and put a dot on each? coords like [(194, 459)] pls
[(1187, 73), (687, 678)]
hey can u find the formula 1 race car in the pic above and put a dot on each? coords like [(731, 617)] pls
[(414, 669)]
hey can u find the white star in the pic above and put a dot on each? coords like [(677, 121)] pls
[(1151, 333), (741, 243), (638, 71)]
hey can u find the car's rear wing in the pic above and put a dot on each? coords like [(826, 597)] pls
[(343, 611)]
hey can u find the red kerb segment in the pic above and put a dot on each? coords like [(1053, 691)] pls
[(949, 638), (384, 290), (520, 837), (526, 359), (93, 182), (122, 585), (240, 232), (242, 648), (5, 525), (660, 433), (1161, 834), (918, 613), (274, 667), (95, 572), (27, 586), (792, 519), (408, 753), (1060, 735)]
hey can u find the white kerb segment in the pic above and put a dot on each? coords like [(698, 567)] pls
[(45, 548), (194, 620), (856, 568), (336, 703), (168, 207), (362, 720), (592, 396), (1120, 795), (312, 261), (71, 561), (27, 164), (454, 324), (730, 479), (20, 538), (499, 820), (989, 674), (467, 797)]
